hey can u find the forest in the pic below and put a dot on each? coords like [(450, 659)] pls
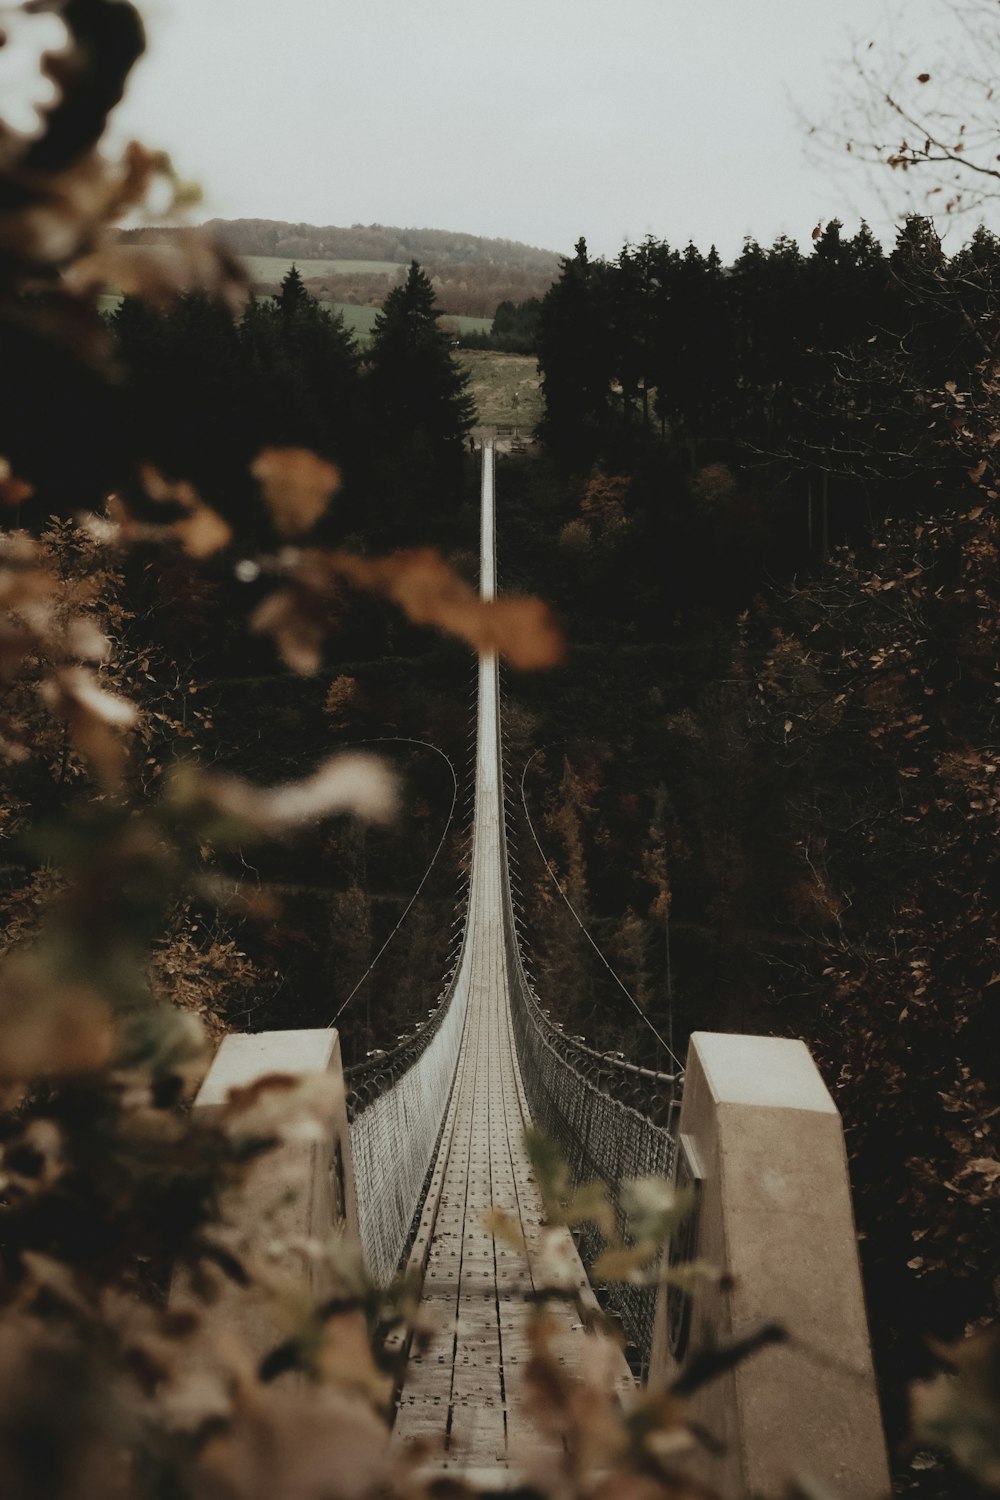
[(787, 524), (761, 504)]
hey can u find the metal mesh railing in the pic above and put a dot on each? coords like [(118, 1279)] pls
[(612, 1120), (601, 1134), (397, 1101)]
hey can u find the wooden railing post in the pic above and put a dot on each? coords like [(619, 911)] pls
[(761, 1144)]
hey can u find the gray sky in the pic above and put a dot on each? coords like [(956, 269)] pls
[(536, 120)]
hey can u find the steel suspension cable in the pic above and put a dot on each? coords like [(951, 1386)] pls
[(399, 739), (579, 921)]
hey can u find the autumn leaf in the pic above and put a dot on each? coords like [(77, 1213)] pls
[(49, 1030), (306, 1443), (12, 489), (984, 1166), (297, 487), (353, 783), (159, 274), (95, 719), (422, 584), (298, 619), (287, 1106), (202, 532), (341, 695)]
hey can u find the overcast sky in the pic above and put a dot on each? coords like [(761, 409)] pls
[(536, 120)]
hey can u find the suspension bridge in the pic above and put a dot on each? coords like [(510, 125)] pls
[(490, 1064), (432, 1147)]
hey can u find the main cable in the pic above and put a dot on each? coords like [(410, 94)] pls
[(402, 739), (579, 922)]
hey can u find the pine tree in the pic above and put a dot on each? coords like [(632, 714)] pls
[(293, 297), (418, 396), (576, 359)]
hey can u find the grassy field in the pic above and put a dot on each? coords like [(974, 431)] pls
[(273, 267), (504, 387), (359, 320)]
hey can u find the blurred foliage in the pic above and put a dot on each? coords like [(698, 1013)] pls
[(129, 535)]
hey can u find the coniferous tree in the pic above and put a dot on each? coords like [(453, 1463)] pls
[(418, 395), (576, 359), (292, 296)]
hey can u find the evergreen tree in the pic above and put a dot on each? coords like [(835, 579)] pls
[(418, 396), (293, 297), (576, 359)]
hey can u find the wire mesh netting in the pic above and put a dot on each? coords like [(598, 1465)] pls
[(612, 1120), (397, 1102), (601, 1134)]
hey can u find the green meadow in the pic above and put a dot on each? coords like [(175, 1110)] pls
[(359, 320), (274, 267), (505, 388)]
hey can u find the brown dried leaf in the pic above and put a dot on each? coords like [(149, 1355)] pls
[(984, 1166), (202, 532), (285, 1105), (356, 783), (345, 1359), (48, 1031), (297, 486), (298, 621), (422, 584), (159, 274), (12, 489), (303, 1444), (85, 640), (96, 720)]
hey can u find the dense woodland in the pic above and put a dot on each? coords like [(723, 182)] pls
[(783, 516), (762, 501)]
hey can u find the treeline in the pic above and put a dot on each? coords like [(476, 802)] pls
[(207, 391), (775, 497), (468, 291), (470, 275), (378, 242), (835, 367), (515, 329)]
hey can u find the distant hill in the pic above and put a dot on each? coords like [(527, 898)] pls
[(470, 274)]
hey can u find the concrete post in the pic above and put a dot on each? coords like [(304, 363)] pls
[(761, 1141), (295, 1196)]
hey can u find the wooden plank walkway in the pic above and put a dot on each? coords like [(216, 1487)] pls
[(464, 1392)]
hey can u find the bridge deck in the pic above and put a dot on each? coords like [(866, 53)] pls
[(465, 1390)]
